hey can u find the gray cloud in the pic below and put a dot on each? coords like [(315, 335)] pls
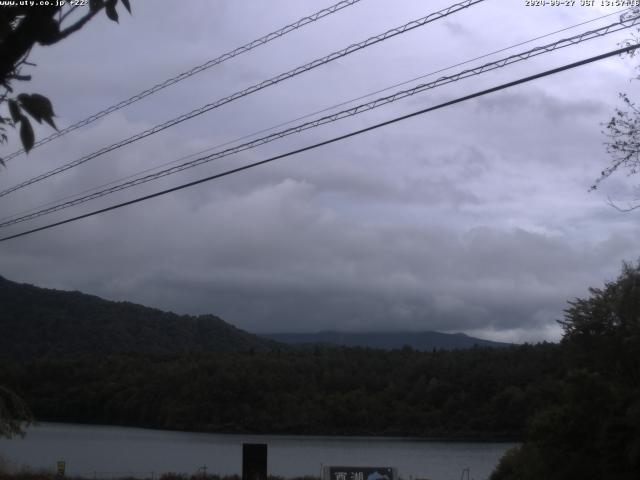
[(474, 218)]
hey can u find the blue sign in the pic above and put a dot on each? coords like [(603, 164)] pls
[(359, 473)]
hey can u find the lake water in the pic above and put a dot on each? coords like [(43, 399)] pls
[(109, 452)]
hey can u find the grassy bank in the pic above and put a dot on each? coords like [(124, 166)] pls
[(48, 475)]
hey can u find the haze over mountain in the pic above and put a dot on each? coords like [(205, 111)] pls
[(423, 341), (40, 322)]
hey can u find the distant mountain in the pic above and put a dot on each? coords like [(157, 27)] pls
[(40, 322), (423, 341)]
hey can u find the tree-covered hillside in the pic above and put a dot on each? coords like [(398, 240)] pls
[(78, 358), (38, 322)]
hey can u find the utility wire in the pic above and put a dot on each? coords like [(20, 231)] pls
[(254, 88), (195, 70), (332, 140), (289, 122), (334, 117), (326, 109)]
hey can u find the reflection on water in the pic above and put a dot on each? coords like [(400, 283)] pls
[(111, 451)]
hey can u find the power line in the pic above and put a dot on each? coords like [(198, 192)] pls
[(614, 27), (195, 70), (326, 109), (332, 140), (254, 88), (330, 118)]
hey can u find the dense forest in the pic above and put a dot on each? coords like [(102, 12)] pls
[(475, 393), (78, 358)]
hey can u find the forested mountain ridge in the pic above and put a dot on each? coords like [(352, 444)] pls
[(78, 358), (423, 341), (38, 322), (41, 322)]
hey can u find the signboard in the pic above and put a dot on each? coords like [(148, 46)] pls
[(359, 473)]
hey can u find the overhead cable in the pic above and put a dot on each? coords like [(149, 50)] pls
[(254, 88), (289, 122), (576, 39), (307, 115), (189, 73), (332, 140)]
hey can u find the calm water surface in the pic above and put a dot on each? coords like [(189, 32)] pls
[(111, 451)]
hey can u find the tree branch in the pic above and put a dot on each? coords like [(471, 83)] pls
[(15, 45), (78, 25), (623, 210)]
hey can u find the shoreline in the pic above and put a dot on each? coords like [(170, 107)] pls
[(341, 436)]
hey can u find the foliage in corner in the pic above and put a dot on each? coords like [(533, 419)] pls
[(21, 28), (592, 431), (623, 132)]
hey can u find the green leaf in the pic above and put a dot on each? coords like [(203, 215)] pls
[(25, 102), (50, 121), (14, 110), (127, 5), (110, 8), (26, 134), (39, 107)]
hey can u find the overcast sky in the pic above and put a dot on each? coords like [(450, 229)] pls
[(475, 218)]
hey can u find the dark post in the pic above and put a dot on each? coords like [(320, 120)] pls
[(254, 461)]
